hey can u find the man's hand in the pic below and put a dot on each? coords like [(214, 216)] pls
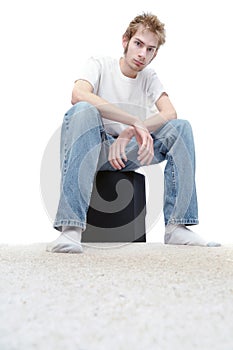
[(117, 149), (145, 142), (117, 154)]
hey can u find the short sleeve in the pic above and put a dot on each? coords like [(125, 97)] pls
[(91, 72), (155, 88)]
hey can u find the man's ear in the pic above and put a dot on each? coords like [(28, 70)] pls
[(125, 41)]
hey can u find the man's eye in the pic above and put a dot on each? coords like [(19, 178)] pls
[(137, 43)]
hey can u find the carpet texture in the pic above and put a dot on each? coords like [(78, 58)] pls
[(144, 296)]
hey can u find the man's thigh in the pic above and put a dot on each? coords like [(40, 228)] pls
[(132, 154)]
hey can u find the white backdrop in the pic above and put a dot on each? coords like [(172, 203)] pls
[(43, 43)]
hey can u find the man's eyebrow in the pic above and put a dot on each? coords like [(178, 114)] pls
[(154, 47)]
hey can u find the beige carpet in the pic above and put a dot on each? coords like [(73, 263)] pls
[(137, 296)]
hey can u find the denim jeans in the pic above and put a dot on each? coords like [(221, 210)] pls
[(84, 151)]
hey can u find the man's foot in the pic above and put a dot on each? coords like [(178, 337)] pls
[(181, 235), (68, 242)]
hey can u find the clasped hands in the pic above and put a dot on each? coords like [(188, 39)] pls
[(117, 155)]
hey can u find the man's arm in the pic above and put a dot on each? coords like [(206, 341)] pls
[(117, 150), (83, 91), (166, 112)]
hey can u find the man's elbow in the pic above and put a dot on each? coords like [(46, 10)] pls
[(169, 115), (73, 101), (76, 97), (81, 91), (173, 115)]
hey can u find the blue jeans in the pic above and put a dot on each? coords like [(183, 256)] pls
[(84, 151)]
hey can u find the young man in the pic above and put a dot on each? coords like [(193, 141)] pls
[(121, 119)]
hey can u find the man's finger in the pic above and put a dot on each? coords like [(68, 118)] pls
[(146, 155), (123, 154)]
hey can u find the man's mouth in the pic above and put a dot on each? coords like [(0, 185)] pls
[(138, 63)]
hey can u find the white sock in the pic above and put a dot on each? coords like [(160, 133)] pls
[(181, 235), (68, 242)]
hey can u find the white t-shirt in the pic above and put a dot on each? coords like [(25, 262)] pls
[(136, 96)]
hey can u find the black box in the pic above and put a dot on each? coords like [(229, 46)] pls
[(117, 209)]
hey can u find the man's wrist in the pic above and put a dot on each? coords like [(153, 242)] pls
[(130, 131), (139, 124)]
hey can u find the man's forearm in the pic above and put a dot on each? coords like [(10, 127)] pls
[(158, 120), (106, 109)]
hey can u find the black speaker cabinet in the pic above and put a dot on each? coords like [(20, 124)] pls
[(117, 209)]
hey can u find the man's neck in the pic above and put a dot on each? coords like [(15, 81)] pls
[(126, 70)]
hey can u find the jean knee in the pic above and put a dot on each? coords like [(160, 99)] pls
[(84, 112), (84, 106), (81, 107), (182, 125)]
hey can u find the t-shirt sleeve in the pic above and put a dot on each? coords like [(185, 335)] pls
[(91, 72), (155, 88)]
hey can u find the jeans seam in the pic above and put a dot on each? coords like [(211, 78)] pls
[(69, 222)]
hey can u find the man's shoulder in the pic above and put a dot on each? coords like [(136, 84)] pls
[(149, 76), (149, 72)]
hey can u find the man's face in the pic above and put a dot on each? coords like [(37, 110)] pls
[(140, 50)]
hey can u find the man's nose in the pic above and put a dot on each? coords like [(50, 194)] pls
[(142, 52)]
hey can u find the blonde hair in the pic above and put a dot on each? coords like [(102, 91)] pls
[(150, 22)]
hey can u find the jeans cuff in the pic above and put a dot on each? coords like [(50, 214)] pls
[(58, 224)]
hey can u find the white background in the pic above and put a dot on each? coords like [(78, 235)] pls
[(43, 44)]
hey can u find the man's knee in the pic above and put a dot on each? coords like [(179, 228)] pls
[(83, 106), (84, 112), (182, 127), (181, 123)]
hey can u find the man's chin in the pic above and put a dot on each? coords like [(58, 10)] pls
[(138, 66)]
